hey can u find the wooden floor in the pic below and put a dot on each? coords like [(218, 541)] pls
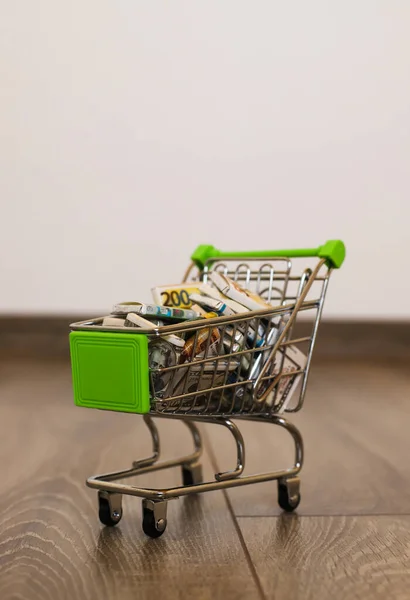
[(349, 539)]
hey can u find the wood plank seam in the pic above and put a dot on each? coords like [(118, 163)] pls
[(212, 458)]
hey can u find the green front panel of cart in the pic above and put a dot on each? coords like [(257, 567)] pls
[(110, 371)]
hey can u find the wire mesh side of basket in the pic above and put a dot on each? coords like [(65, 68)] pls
[(250, 363)]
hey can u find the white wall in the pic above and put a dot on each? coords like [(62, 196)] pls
[(131, 131)]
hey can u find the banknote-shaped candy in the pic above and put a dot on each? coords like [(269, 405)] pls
[(161, 355), (233, 290), (176, 295), (134, 320), (198, 343), (154, 310), (112, 322), (218, 306), (198, 377)]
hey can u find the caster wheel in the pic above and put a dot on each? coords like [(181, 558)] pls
[(192, 474), (108, 515), (288, 496), (153, 528)]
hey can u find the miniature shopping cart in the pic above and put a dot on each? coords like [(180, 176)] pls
[(253, 366)]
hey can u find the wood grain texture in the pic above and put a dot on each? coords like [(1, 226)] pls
[(363, 558), (52, 546), (355, 425), (51, 543)]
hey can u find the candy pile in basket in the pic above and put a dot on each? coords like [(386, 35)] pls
[(213, 368)]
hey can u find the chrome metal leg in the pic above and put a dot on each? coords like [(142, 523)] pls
[(192, 470), (197, 439), (290, 428), (240, 451), (147, 465), (289, 483), (156, 447), (297, 438)]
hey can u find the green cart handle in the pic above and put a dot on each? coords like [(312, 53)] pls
[(333, 251)]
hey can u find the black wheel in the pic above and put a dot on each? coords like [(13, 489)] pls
[(150, 527), (191, 475), (284, 500), (107, 517)]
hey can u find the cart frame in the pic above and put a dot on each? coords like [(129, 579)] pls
[(154, 505)]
